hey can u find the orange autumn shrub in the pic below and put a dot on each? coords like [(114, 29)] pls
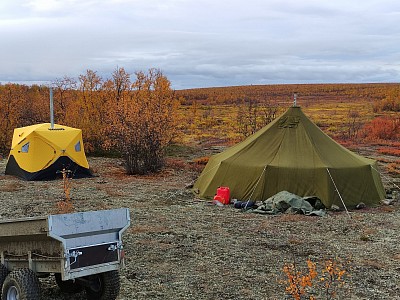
[(142, 122), (309, 284), (382, 128)]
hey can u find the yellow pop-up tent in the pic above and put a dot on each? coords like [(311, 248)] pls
[(40, 152)]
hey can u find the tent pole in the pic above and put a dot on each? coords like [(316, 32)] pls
[(340, 196)]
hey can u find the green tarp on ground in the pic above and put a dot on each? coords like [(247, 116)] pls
[(293, 154), (285, 202)]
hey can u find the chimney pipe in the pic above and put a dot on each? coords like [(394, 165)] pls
[(51, 109)]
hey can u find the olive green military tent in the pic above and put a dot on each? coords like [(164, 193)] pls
[(40, 152), (293, 154)]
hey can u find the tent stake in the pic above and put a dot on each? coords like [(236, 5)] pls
[(340, 196)]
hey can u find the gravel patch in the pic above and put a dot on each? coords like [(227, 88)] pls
[(180, 247)]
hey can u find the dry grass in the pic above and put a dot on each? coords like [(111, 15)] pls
[(293, 218), (111, 191), (369, 231), (11, 187), (295, 241), (148, 229), (180, 248), (64, 207), (372, 263), (387, 208), (102, 205), (393, 168)]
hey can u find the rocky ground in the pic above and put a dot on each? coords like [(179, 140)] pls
[(180, 247)]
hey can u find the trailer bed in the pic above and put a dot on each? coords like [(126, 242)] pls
[(74, 245)]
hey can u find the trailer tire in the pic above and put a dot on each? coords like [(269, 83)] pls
[(68, 286), (21, 284), (3, 274), (104, 286)]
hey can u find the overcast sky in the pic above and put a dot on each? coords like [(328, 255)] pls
[(203, 43)]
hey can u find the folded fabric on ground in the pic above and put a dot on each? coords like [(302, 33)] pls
[(285, 202)]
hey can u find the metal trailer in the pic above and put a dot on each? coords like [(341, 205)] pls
[(83, 250)]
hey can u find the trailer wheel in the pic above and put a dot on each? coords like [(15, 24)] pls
[(103, 286), (3, 274), (21, 284), (68, 286)]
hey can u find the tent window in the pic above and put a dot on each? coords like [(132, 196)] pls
[(78, 146), (25, 148)]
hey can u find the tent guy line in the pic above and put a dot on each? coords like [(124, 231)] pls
[(340, 196)]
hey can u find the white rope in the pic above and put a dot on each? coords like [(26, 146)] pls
[(387, 178), (340, 196), (252, 192)]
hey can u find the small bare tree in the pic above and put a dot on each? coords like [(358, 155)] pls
[(253, 115), (353, 125)]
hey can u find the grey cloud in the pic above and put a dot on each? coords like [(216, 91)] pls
[(203, 43)]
